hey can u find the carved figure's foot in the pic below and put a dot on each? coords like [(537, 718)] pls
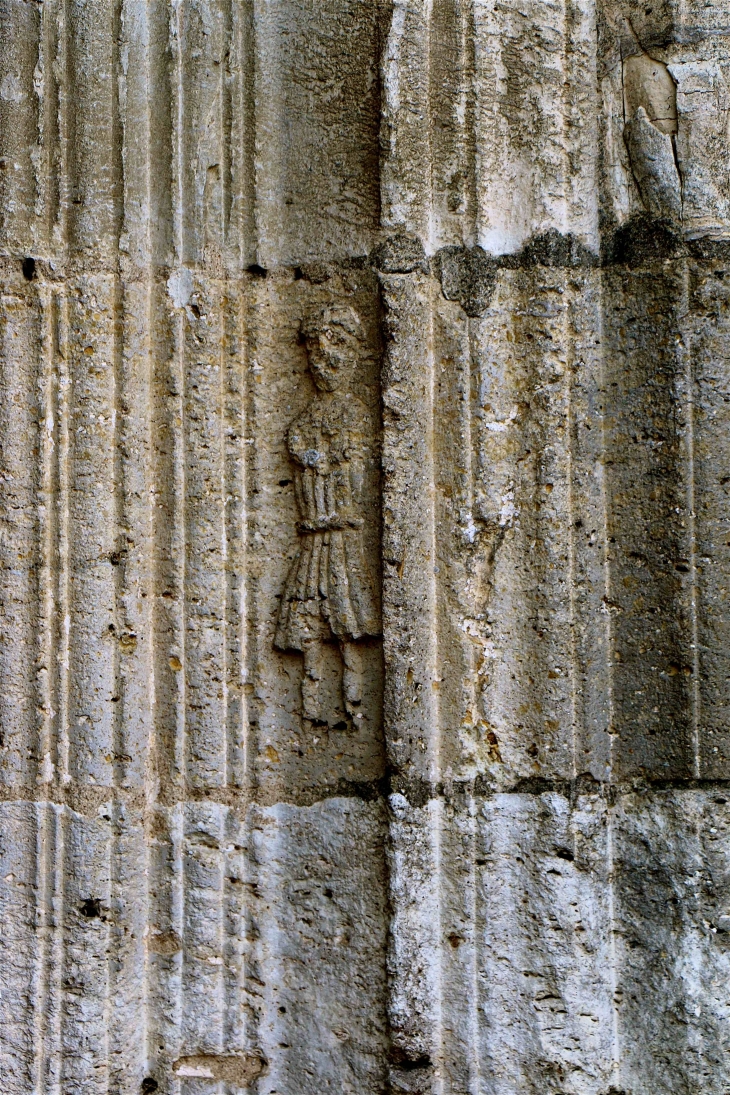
[(311, 707), (353, 703)]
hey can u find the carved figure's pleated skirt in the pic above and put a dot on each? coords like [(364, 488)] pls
[(328, 593)]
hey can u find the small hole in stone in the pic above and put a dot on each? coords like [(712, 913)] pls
[(91, 908), (28, 268), (149, 1085), (282, 1011), (257, 271), (195, 310)]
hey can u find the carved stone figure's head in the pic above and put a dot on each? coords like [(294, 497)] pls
[(333, 338)]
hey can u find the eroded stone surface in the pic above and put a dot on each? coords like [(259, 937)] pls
[(364, 736)]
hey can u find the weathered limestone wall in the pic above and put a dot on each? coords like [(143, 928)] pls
[(455, 821)]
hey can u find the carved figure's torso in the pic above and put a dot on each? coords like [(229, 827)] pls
[(329, 592), (328, 445)]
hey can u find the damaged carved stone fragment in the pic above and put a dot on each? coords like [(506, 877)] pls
[(329, 595), (651, 127)]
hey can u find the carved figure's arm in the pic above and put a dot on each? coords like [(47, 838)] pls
[(299, 492), (359, 455), (357, 474)]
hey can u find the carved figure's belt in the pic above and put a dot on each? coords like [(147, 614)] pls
[(329, 524)]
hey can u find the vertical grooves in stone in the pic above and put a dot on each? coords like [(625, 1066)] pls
[(268, 183), (570, 539), (93, 630), (225, 496), (18, 122), (134, 557), (92, 862), (53, 1063), (204, 567), (405, 167), (224, 303), (235, 1032), (226, 84), (18, 943), (459, 552), (151, 774), (163, 590), (481, 572), (48, 678), (177, 412), (56, 848), (133, 702), (65, 131), (243, 134), (614, 935), (234, 369), (63, 610), (411, 662), (471, 898), (47, 556), (691, 506), (607, 770), (153, 165), (452, 105), (174, 1042), (48, 131), (94, 362), (165, 771), (44, 816), (435, 773), (473, 106), (164, 943), (120, 1045), (243, 223), (206, 719), (19, 375), (475, 938)]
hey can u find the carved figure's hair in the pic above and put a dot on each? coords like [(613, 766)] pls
[(334, 315)]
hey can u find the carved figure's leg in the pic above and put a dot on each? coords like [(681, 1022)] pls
[(351, 677), (311, 680)]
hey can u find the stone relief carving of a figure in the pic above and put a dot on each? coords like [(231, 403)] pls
[(329, 595), (650, 105)]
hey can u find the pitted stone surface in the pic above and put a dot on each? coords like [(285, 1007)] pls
[(364, 565)]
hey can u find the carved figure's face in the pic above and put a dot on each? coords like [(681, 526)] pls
[(331, 358)]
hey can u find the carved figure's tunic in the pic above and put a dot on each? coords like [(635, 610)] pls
[(329, 592)]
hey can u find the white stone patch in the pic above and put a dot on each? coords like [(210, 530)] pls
[(180, 287), (11, 89)]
